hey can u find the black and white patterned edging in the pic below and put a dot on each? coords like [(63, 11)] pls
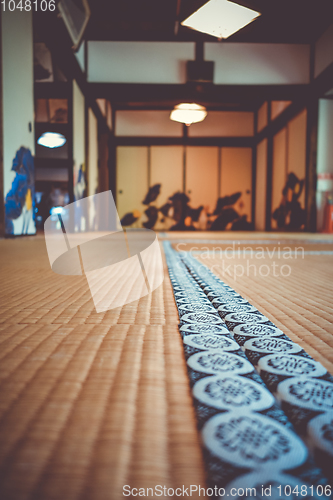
[(247, 437)]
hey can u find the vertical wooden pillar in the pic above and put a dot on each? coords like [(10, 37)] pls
[(112, 158), (219, 172), (185, 136), (311, 154), (311, 166), (149, 166), (254, 169), (269, 176), (86, 144), (70, 143)]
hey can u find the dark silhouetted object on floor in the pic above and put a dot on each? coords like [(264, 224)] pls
[(165, 209), (242, 224), (180, 203), (130, 218), (226, 201), (290, 206), (152, 194), (227, 215), (152, 214), (187, 218), (183, 214), (194, 213)]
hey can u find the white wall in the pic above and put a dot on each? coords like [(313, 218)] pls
[(147, 124), (259, 63), (325, 142), (158, 124), (139, 62), (165, 62), (18, 93), (92, 153), (80, 56)]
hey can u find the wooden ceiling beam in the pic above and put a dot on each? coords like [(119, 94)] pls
[(243, 94)]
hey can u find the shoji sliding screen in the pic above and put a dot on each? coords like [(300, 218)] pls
[(261, 186), (201, 176), (289, 157), (297, 149), (204, 173), (279, 174), (166, 168), (132, 178), (236, 175)]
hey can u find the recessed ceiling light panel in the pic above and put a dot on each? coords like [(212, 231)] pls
[(220, 18)]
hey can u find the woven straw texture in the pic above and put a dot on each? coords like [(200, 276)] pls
[(88, 402), (91, 402), (300, 304)]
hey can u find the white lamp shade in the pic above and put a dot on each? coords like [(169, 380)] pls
[(51, 140), (188, 113)]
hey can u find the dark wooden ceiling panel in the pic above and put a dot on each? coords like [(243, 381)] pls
[(282, 21)]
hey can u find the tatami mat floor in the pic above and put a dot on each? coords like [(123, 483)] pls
[(290, 281), (90, 402)]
